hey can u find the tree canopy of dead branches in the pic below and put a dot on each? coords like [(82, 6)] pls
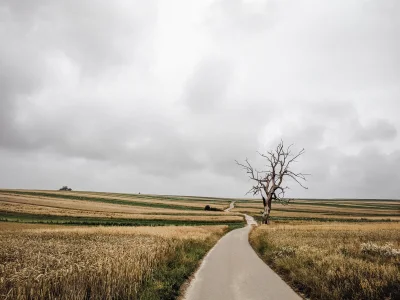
[(269, 182)]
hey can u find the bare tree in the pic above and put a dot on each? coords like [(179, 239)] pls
[(268, 183)]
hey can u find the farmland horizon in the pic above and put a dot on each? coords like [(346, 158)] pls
[(173, 233), (254, 198), (255, 141)]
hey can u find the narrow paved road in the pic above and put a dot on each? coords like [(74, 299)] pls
[(233, 271), (231, 206)]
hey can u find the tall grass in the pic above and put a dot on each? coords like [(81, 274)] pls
[(348, 261), (99, 263)]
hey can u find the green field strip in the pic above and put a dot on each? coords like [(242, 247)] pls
[(360, 214), (104, 200), (342, 206), (375, 202), (205, 214), (312, 219), (349, 199), (157, 197), (6, 216), (176, 198)]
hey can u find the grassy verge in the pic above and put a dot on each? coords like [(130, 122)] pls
[(348, 261), (167, 283), (6, 216), (175, 270)]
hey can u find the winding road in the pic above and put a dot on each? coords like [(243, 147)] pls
[(231, 206), (233, 271)]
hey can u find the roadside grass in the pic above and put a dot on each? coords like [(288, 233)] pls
[(100, 262), (334, 261)]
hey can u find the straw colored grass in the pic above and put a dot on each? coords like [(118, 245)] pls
[(98, 207), (331, 209), (156, 200), (343, 210), (43, 210), (336, 261), (55, 262)]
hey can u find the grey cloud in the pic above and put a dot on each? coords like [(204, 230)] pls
[(208, 86), (380, 130), (87, 98), (17, 80), (94, 34), (371, 174)]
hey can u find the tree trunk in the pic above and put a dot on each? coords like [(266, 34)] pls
[(266, 213)]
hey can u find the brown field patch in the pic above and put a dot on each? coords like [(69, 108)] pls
[(44, 210), (96, 206), (160, 200), (334, 261), (54, 262)]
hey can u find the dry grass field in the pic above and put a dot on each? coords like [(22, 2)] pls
[(334, 261), (32, 205), (354, 256), (89, 208), (125, 199), (152, 215), (327, 210), (59, 262)]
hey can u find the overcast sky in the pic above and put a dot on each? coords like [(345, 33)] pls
[(163, 96)]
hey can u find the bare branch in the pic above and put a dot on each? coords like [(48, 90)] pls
[(277, 168)]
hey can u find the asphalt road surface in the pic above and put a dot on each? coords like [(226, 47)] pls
[(233, 271)]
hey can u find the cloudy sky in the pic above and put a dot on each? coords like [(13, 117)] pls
[(162, 96)]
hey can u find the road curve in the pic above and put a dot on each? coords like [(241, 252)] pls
[(231, 206), (233, 271)]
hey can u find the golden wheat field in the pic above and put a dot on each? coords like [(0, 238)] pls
[(82, 205), (181, 201), (374, 210), (335, 261), (90, 208), (94, 207), (59, 262), (42, 258), (146, 214)]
